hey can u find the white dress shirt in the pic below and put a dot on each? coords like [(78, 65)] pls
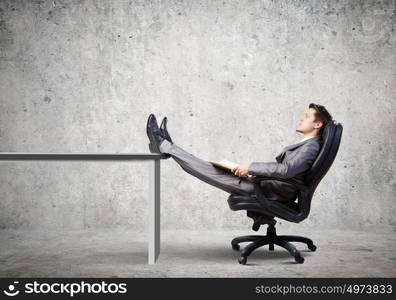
[(307, 137)]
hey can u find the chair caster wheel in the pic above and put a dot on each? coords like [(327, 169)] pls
[(299, 259), (235, 247), (242, 260), (312, 247)]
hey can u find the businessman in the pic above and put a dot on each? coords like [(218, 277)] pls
[(294, 160)]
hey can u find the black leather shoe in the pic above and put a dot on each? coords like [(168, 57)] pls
[(164, 129), (154, 134)]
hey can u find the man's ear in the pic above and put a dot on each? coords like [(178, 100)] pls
[(318, 124)]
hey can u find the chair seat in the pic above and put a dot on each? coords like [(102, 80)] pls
[(242, 202)]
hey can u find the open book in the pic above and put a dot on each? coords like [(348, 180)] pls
[(225, 164)]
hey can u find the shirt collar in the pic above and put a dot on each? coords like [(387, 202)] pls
[(307, 137)]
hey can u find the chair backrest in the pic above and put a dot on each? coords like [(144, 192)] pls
[(331, 138)]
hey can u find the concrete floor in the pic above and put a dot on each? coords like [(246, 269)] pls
[(123, 253)]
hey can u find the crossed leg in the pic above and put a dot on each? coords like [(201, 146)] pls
[(206, 172)]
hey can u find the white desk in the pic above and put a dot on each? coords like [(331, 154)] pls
[(153, 161)]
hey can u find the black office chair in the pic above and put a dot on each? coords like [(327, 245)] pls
[(263, 211)]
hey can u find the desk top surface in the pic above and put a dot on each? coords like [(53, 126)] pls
[(81, 156)]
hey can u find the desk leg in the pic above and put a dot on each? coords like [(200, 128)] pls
[(154, 211)]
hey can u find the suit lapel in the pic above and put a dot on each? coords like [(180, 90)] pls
[(280, 156)]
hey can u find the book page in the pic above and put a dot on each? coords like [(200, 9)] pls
[(224, 163)]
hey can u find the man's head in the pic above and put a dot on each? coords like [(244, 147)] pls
[(313, 120)]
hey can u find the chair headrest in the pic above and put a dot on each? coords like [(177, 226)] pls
[(331, 139)]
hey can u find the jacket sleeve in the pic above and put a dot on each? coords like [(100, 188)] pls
[(301, 162)]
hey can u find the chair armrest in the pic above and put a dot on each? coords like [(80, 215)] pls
[(296, 182), (278, 208)]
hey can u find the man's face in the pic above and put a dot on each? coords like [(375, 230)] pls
[(306, 124)]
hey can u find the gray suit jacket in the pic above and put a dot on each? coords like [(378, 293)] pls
[(293, 161)]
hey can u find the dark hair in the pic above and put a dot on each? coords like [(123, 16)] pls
[(321, 114)]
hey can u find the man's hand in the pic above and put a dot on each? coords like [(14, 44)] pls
[(241, 170)]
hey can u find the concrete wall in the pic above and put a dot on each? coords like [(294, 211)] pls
[(233, 77)]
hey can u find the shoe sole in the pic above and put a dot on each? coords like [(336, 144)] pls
[(151, 148)]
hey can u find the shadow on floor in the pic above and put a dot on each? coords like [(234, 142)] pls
[(220, 254)]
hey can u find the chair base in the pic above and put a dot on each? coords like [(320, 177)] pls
[(271, 239)]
